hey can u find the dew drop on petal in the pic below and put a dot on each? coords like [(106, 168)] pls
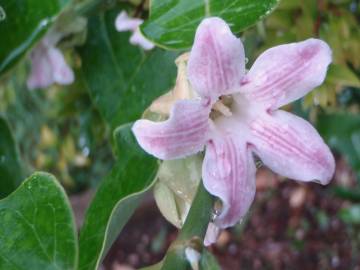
[(2, 14), (222, 170)]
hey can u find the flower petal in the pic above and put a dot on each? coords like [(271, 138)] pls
[(62, 73), (217, 59), (138, 39), (229, 173), (41, 75), (212, 234), (125, 23), (287, 72), (183, 134), (290, 146)]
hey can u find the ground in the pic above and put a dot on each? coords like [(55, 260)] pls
[(291, 225)]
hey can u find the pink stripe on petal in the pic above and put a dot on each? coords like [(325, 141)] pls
[(217, 59), (290, 146), (229, 173), (287, 72), (183, 134)]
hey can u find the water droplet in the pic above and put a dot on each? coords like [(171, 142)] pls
[(258, 164), (217, 209), (82, 141), (223, 169), (317, 181), (2, 14), (44, 23), (85, 151), (246, 60)]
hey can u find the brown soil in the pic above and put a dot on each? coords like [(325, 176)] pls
[(290, 226)]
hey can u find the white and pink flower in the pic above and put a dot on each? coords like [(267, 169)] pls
[(125, 23), (48, 66), (237, 115)]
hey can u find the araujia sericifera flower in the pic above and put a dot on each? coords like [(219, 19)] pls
[(48, 65), (237, 115), (125, 23)]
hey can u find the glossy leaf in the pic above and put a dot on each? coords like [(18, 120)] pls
[(23, 23), (116, 199), (172, 24), (122, 79), (10, 168), (37, 229)]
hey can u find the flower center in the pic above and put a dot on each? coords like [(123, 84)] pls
[(222, 107)]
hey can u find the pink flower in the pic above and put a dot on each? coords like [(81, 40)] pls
[(125, 23), (237, 115), (48, 66)]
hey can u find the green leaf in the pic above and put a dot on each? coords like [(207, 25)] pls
[(208, 261), (122, 79), (341, 131), (11, 173), (193, 231), (37, 229), (153, 267), (23, 23), (343, 76), (172, 24), (351, 214), (116, 199)]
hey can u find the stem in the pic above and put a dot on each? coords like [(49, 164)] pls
[(194, 229)]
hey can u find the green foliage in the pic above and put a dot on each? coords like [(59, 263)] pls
[(351, 215), (121, 78), (342, 132), (65, 129), (37, 227), (333, 21), (172, 24), (58, 130), (23, 23), (116, 199), (11, 173)]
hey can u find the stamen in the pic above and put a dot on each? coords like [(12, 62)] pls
[(220, 107)]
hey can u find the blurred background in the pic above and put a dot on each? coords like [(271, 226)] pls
[(290, 225)]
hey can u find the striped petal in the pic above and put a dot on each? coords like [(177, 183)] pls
[(183, 134), (217, 59), (229, 173), (287, 72), (290, 146)]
